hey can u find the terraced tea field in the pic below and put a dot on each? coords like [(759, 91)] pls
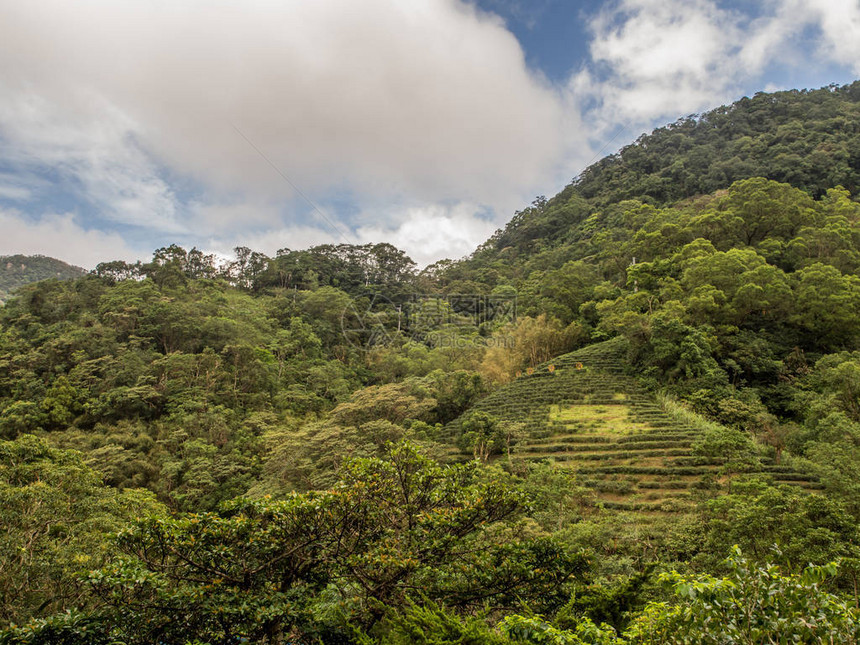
[(584, 413)]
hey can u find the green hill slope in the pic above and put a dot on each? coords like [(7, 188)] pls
[(725, 249), (228, 393), (19, 270), (584, 413), (805, 138)]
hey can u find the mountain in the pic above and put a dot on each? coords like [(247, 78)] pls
[(808, 139), (633, 451), (725, 249), (633, 411), (19, 270)]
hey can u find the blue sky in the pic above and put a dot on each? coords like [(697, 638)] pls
[(213, 123)]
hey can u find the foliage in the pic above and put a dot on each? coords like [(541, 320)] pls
[(431, 624), (70, 628), (263, 570), (56, 521), (533, 629), (784, 525), (730, 446), (751, 605), (481, 434), (526, 344)]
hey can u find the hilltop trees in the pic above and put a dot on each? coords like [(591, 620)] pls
[(797, 137)]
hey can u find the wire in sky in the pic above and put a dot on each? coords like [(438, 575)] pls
[(605, 145), (334, 227)]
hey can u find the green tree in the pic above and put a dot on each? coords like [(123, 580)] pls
[(827, 305), (265, 570), (750, 605), (56, 521)]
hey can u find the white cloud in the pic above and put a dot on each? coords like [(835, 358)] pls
[(93, 146), (427, 98), (429, 233), (839, 21), (20, 186), (234, 215), (15, 192), (60, 236), (653, 60)]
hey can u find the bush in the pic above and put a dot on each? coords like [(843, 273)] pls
[(751, 605)]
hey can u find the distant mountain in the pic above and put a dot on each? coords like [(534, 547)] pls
[(18, 270)]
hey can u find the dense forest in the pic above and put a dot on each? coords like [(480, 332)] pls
[(631, 416)]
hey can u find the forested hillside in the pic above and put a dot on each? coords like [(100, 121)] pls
[(808, 139), (18, 270), (631, 416)]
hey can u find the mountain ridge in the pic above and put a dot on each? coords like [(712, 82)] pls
[(809, 139), (19, 270)]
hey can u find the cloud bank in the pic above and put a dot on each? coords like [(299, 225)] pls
[(427, 99), (413, 122), (60, 236), (662, 59)]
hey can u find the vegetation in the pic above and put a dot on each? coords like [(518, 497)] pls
[(330, 446), (19, 270)]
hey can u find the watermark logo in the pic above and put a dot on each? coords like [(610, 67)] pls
[(367, 328), (437, 320)]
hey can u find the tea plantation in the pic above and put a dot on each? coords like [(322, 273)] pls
[(581, 411)]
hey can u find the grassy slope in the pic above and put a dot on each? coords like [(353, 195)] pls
[(582, 412)]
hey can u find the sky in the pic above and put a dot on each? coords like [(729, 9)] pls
[(127, 125)]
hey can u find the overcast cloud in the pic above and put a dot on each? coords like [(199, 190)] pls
[(60, 236), (664, 59), (193, 120)]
